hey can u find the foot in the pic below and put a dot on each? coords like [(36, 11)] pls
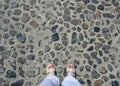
[(50, 69), (71, 70)]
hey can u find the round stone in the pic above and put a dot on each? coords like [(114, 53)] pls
[(89, 82), (12, 32), (115, 83), (112, 76), (95, 74), (34, 24), (21, 72), (4, 82), (66, 18), (55, 37), (26, 7), (102, 70), (91, 7), (81, 81), (94, 54), (11, 74), (98, 83), (100, 52), (67, 11), (21, 37), (86, 55), (47, 48), (108, 15), (55, 61), (6, 21), (53, 29), (74, 38), (105, 78), (110, 68), (106, 48), (85, 26), (99, 61), (88, 68), (31, 57), (96, 29), (5, 54), (81, 68), (65, 39), (6, 36), (25, 18), (21, 60), (84, 44), (100, 7), (17, 12), (95, 1), (2, 69), (86, 1), (58, 46), (90, 48), (75, 22)]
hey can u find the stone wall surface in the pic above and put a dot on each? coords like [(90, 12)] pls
[(34, 33)]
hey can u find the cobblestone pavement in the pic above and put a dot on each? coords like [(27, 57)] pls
[(34, 33)]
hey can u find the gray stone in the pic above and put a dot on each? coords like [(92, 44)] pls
[(25, 18), (102, 70), (33, 13), (18, 83), (88, 68), (55, 61), (100, 52), (100, 7), (13, 64), (118, 74), (90, 48), (74, 38), (26, 7), (53, 29), (67, 11), (6, 21), (98, 45), (108, 15), (86, 1), (81, 81), (86, 55), (67, 54), (12, 32), (4, 82), (5, 54), (17, 12), (5, 35), (81, 37), (58, 46), (105, 58), (112, 76), (30, 73), (98, 82), (31, 57), (59, 70), (14, 5), (2, 48), (47, 48), (48, 15), (99, 61), (40, 53), (14, 55), (84, 26), (10, 74), (21, 37), (115, 83), (105, 78), (21, 60), (21, 72), (91, 7), (65, 39), (2, 61), (81, 68), (34, 24), (105, 30), (95, 1), (84, 44), (2, 69), (55, 37), (106, 48), (66, 18), (15, 19), (95, 74), (75, 22), (32, 2), (110, 68)]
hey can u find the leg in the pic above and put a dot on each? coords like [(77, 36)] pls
[(70, 81), (50, 81)]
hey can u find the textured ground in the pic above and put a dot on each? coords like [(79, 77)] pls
[(34, 33)]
